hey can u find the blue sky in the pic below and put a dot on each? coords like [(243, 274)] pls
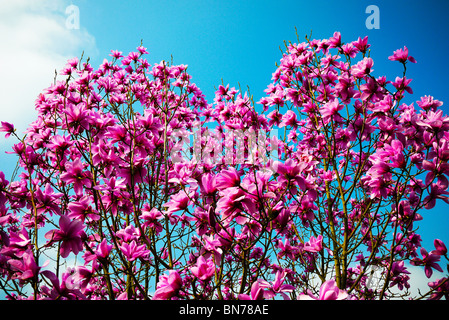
[(237, 41)]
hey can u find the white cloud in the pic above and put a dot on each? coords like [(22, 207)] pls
[(35, 43)]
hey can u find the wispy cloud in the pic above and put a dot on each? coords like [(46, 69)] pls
[(35, 43)]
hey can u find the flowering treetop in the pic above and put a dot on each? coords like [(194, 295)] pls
[(163, 195)]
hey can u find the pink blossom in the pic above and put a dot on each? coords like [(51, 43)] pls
[(362, 68), (434, 120), (429, 103), (429, 261), (275, 118), (130, 233), (168, 286), (132, 251), (362, 44), (233, 205), (441, 287), (440, 247), (289, 119), (62, 290), (70, 234), (278, 286), (227, 179), (331, 108), (314, 244), (438, 190), (328, 291), (290, 170), (402, 84), (27, 266), (103, 249), (177, 202), (204, 270), (116, 54), (75, 174), (402, 56), (212, 248), (151, 217), (208, 184), (287, 250), (7, 127), (399, 275), (257, 292), (83, 209), (335, 40), (18, 242)]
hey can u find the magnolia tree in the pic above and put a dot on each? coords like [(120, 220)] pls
[(130, 185)]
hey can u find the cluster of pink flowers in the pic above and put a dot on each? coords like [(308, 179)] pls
[(162, 195)]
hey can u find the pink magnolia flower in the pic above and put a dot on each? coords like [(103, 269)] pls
[(328, 291), (399, 275), (151, 217), (211, 248), (18, 242), (204, 269), (275, 118), (207, 184), (179, 201), (142, 50), (135, 173), (440, 247), (257, 292), (83, 209), (434, 120), (278, 286), (314, 244), (429, 103), (330, 109), (168, 286), (116, 54), (437, 191), (112, 185), (282, 218), (59, 144), (64, 290), (226, 237), (286, 249), (70, 234), (290, 170), (76, 117), (441, 287), (362, 44), (27, 266), (233, 204), (402, 84), (402, 56), (130, 233), (7, 127), (227, 179), (103, 249), (335, 40), (362, 68), (289, 119), (75, 174), (349, 49), (429, 261), (132, 251)]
